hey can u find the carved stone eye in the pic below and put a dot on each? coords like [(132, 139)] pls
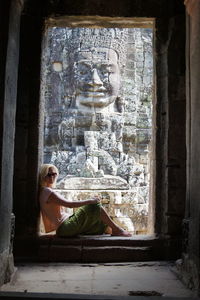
[(104, 71), (82, 72)]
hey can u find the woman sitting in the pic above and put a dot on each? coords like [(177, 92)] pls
[(90, 218)]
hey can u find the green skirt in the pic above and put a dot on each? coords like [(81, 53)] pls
[(86, 220)]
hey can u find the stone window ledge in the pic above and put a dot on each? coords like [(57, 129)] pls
[(95, 249)]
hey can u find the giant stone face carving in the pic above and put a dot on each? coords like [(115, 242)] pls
[(97, 104), (98, 77)]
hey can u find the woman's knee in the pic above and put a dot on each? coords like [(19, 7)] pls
[(94, 206)]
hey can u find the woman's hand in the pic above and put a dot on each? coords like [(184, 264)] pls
[(95, 200)]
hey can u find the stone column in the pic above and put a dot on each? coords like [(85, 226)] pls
[(191, 224), (8, 138)]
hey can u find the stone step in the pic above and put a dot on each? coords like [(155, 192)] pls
[(48, 296), (97, 254), (49, 248), (103, 240)]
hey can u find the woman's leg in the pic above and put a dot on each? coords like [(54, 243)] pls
[(116, 230)]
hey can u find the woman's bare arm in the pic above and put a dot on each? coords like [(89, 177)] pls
[(60, 200)]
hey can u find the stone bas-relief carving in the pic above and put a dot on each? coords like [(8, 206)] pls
[(97, 78), (97, 91)]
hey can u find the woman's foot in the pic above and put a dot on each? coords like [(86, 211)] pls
[(121, 232), (108, 230)]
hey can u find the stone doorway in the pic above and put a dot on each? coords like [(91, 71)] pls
[(97, 90)]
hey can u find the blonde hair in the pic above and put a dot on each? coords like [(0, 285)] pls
[(44, 169)]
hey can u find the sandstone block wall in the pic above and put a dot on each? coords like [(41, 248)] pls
[(98, 126)]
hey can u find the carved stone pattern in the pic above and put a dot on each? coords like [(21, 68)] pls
[(97, 90)]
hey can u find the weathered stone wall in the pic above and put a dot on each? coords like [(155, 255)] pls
[(29, 124), (190, 264), (10, 13), (170, 142), (28, 148), (101, 142)]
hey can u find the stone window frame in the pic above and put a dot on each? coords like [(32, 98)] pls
[(108, 22), (165, 223)]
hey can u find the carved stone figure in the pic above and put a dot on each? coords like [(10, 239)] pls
[(97, 78), (96, 106), (92, 131)]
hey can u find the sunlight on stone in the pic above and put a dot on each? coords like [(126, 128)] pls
[(98, 117), (57, 66)]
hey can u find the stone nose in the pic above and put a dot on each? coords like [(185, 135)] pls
[(95, 79)]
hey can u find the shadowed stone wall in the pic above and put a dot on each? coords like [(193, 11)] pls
[(168, 192), (10, 13), (190, 263), (97, 89), (169, 159)]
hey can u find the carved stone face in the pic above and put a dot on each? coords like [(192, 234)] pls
[(97, 77)]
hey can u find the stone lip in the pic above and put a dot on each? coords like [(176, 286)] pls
[(107, 182)]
